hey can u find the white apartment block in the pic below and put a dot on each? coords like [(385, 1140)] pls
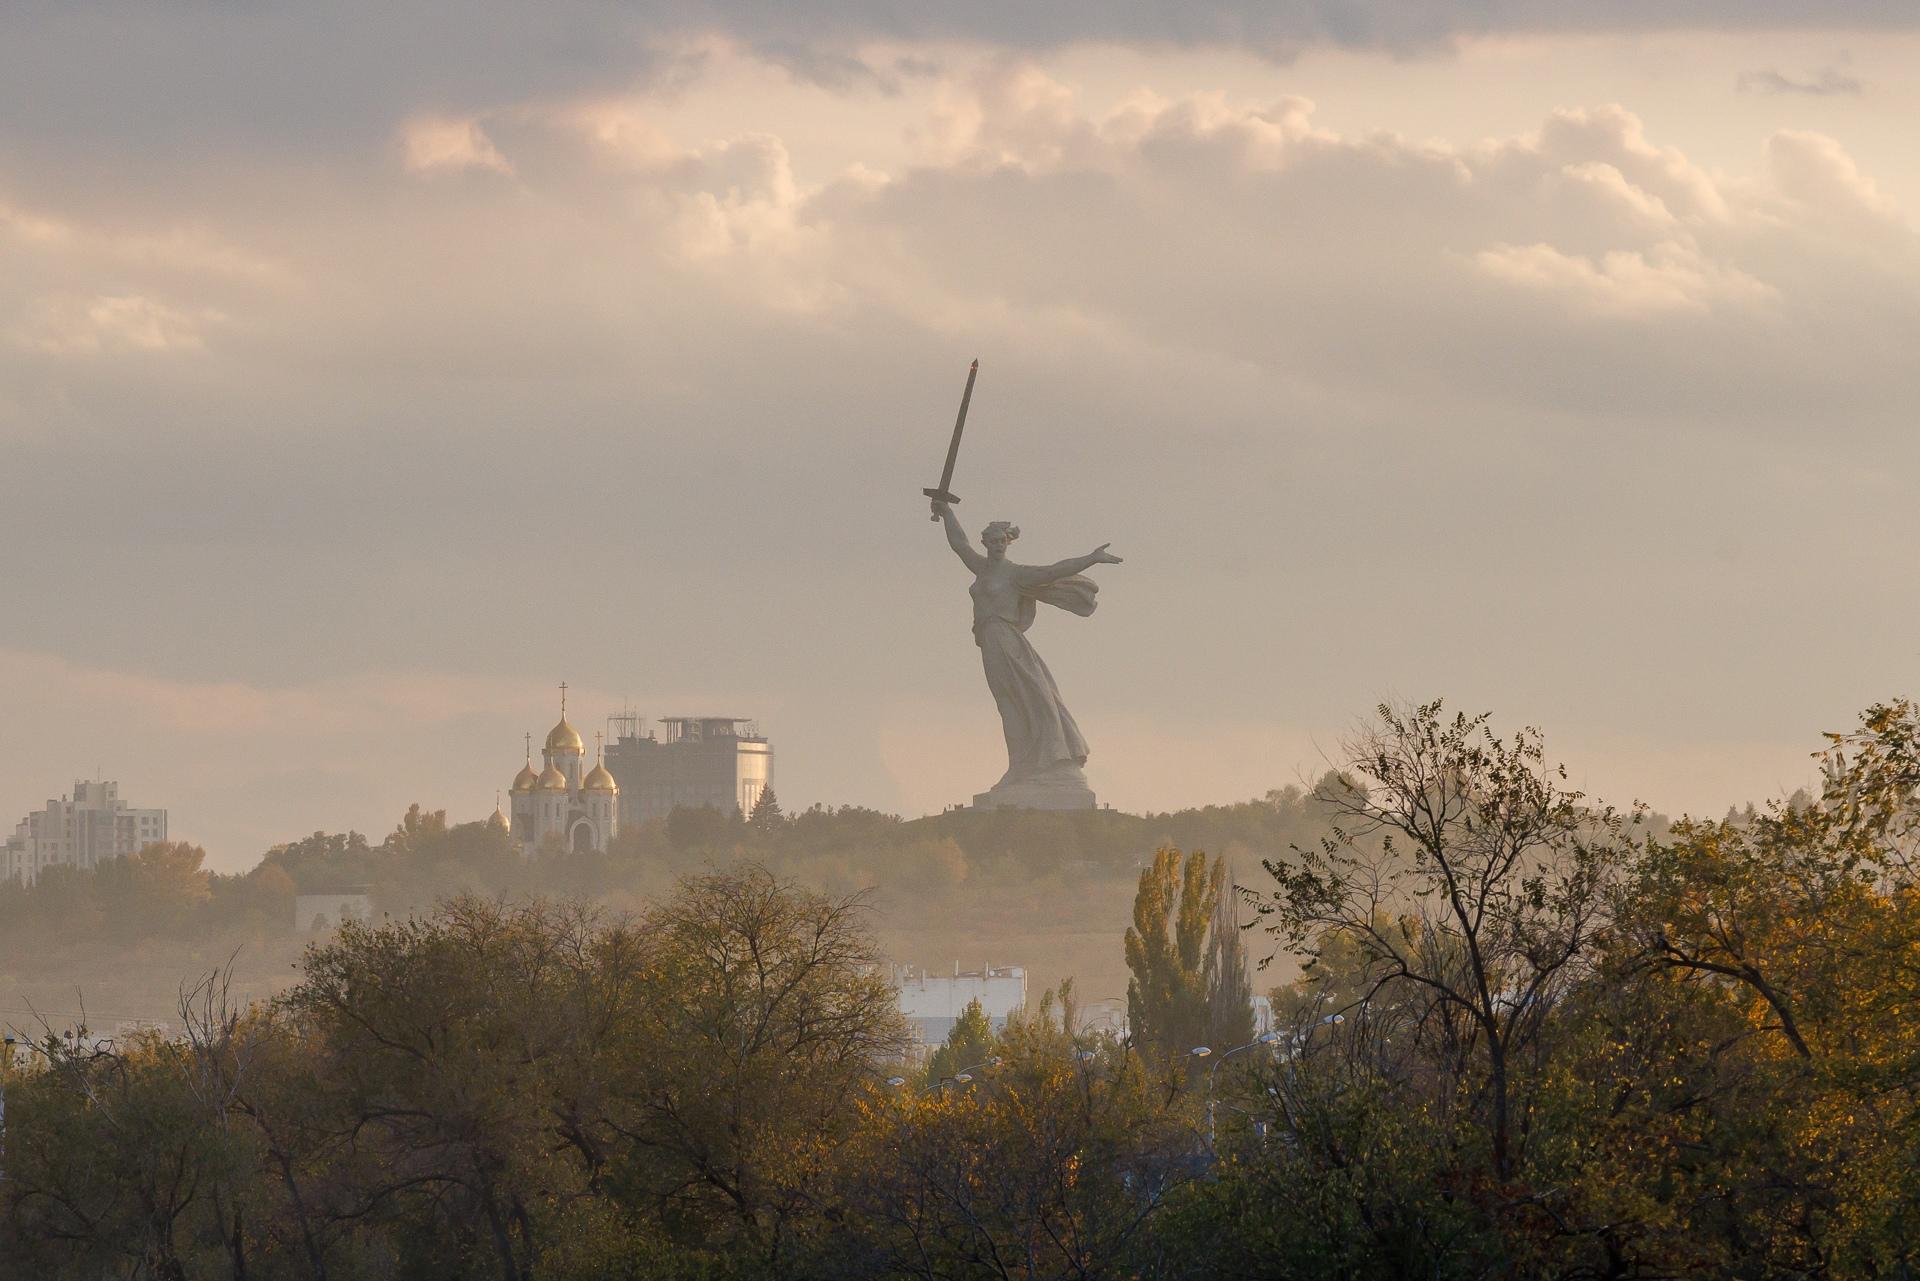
[(933, 1003), (85, 829)]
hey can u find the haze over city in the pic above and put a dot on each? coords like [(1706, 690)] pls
[(1091, 640), (366, 371)]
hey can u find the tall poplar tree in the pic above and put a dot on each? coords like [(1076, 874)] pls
[(1181, 971)]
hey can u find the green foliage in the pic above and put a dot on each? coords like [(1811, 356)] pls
[(766, 815), (1526, 1041), (970, 1042), (1054, 1163), (701, 828), (491, 1090), (1189, 984), (1460, 868)]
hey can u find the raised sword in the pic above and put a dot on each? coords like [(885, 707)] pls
[(942, 494)]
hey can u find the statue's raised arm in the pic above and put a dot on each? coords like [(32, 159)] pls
[(957, 537)]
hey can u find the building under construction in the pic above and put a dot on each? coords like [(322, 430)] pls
[(693, 761)]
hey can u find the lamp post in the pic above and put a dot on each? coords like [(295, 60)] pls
[(1265, 1038), (1213, 1075), (963, 1076)]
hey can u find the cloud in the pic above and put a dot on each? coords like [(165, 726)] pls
[(183, 248), (1826, 83), (1626, 283), (1248, 231), (1825, 183), (72, 287), (1360, 409), (266, 79), (67, 326), (440, 145)]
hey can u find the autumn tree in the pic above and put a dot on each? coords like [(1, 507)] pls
[(437, 1037), (1792, 928), (767, 1008), (1462, 867), (1053, 1164), (155, 890), (1188, 985), (112, 1166)]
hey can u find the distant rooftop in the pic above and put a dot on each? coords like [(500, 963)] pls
[(687, 729)]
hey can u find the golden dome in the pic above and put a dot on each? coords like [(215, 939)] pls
[(525, 779), (565, 738), (552, 780), (598, 780), (499, 820)]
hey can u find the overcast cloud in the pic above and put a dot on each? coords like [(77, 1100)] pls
[(362, 375)]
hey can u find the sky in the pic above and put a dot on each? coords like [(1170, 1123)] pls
[(366, 370)]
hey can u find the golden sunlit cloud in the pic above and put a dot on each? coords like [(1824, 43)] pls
[(442, 145)]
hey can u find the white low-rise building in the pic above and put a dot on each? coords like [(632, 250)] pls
[(932, 1003)]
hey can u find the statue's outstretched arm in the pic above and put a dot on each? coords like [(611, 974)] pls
[(1034, 575), (957, 537)]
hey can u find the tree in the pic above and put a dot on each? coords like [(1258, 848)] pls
[(970, 1041), (696, 827), (1054, 1164), (1183, 974), (419, 833), (112, 1167), (1228, 984), (1460, 867), (1793, 930), (441, 1045), (155, 890), (765, 1012), (766, 815), (325, 861)]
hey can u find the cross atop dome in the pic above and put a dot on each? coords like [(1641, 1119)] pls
[(564, 737)]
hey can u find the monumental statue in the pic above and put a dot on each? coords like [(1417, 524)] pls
[(1046, 752)]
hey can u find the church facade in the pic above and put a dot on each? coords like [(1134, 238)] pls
[(578, 806)]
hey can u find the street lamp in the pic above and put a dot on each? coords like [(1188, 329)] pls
[(1213, 1073), (963, 1076)]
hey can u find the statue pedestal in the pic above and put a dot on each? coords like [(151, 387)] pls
[(1065, 791)]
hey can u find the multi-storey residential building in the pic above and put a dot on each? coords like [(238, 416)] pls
[(84, 829)]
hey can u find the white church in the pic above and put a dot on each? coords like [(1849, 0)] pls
[(582, 810)]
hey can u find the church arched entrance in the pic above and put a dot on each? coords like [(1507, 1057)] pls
[(582, 839)]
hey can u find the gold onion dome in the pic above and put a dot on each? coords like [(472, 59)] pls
[(552, 780), (499, 820), (599, 780), (524, 781), (565, 738)]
